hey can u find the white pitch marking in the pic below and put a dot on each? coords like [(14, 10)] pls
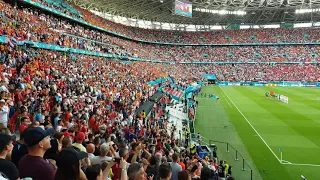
[(251, 126), (283, 161)]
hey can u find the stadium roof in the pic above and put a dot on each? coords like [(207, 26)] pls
[(258, 12)]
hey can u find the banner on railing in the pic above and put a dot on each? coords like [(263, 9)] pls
[(5, 39), (280, 83)]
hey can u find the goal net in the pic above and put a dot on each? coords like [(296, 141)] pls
[(284, 98)]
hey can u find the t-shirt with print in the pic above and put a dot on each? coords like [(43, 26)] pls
[(221, 170)]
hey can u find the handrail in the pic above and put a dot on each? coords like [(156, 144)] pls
[(237, 154), (84, 38)]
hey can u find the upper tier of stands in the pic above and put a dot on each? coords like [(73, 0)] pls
[(62, 6), (26, 24), (301, 35)]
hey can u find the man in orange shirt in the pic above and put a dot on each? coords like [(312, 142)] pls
[(183, 166)]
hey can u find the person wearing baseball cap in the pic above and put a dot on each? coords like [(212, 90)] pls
[(33, 165), (69, 166), (79, 140), (7, 168)]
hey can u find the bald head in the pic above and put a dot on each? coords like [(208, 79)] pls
[(90, 148)]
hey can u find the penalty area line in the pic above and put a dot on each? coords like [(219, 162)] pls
[(299, 164), (251, 126)]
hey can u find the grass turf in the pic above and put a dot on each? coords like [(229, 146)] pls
[(295, 127)]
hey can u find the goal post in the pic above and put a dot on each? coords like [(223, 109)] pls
[(284, 98)]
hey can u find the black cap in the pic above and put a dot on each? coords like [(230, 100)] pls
[(5, 140), (69, 157), (33, 136)]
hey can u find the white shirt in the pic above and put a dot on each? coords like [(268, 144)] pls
[(99, 160), (59, 128), (90, 156), (4, 111)]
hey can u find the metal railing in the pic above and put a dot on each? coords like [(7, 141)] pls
[(237, 156)]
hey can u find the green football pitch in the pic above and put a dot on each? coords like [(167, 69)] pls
[(258, 127)]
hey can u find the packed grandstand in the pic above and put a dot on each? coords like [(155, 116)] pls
[(90, 95)]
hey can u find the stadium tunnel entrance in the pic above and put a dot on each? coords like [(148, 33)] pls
[(211, 78)]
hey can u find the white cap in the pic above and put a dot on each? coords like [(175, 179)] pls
[(2, 100)]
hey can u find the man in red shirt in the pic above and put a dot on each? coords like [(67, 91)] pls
[(116, 168)]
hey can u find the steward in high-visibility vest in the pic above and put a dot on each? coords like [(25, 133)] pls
[(186, 136), (193, 149)]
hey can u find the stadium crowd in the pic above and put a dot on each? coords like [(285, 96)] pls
[(75, 114), (30, 24), (87, 104), (231, 54), (215, 37)]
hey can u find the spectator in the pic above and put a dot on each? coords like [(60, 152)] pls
[(79, 140), (69, 165), (90, 150), (38, 142), (153, 167), (52, 153), (165, 172), (95, 172), (66, 142), (230, 178), (145, 163), (4, 113), (25, 122), (59, 136), (176, 168), (96, 142), (7, 168), (222, 170), (108, 144), (192, 168), (60, 125), (159, 158), (103, 156), (123, 153), (19, 149), (136, 172), (184, 175), (90, 138), (183, 166), (207, 174)]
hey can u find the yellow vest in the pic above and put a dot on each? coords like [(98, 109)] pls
[(193, 149)]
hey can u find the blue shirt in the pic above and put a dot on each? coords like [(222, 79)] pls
[(176, 168)]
